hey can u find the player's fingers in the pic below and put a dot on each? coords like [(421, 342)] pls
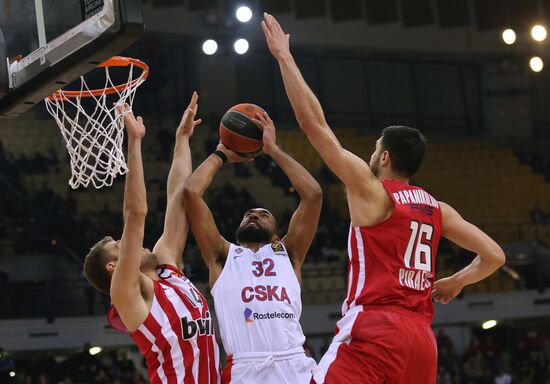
[(194, 99), (140, 119), (267, 20), (259, 123), (271, 22), (265, 29), (197, 122), (276, 24)]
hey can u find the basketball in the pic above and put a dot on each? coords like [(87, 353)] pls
[(238, 131)]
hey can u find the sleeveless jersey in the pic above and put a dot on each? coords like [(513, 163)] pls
[(177, 338), (393, 263), (257, 300)]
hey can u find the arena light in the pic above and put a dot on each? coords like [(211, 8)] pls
[(489, 324), (209, 47), (536, 64), (241, 46), (243, 14), (94, 350), (538, 33), (12, 373), (509, 36)]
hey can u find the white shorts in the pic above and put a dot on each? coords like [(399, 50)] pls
[(292, 367)]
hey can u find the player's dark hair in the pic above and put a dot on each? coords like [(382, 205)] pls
[(406, 146), (94, 266)]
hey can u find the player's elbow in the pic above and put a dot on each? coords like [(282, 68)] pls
[(495, 257), (499, 257), (136, 210), (314, 194), (135, 215), (308, 120), (190, 194)]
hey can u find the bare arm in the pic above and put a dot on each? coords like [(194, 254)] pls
[(205, 231), (305, 219), (352, 170), (169, 248), (125, 286), (490, 256), (213, 246)]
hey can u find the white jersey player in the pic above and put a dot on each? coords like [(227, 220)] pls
[(255, 283)]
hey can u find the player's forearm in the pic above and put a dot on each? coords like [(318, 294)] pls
[(480, 268), (304, 183), (307, 108), (181, 166), (202, 177), (135, 195)]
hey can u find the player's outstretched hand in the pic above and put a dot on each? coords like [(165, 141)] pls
[(446, 289), (268, 127), (134, 126), (232, 156), (188, 122), (277, 39)]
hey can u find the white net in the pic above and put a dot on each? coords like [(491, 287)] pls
[(92, 128)]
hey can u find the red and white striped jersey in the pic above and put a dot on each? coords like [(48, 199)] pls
[(393, 263), (177, 338)]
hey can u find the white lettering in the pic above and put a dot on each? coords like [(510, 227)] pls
[(415, 279), (397, 198)]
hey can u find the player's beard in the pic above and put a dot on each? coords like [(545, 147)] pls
[(253, 234), (148, 261)]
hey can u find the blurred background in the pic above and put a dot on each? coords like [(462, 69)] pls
[(470, 74)]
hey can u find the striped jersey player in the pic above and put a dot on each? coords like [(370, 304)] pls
[(255, 283), (177, 338), (152, 300), (384, 335)]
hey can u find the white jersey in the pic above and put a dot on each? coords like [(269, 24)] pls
[(257, 301)]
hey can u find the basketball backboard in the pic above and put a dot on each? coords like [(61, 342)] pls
[(46, 44)]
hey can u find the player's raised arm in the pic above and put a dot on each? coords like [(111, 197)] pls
[(212, 245), (169, 248), (352, 170), (305, 219), (490, 256), (125, 285)]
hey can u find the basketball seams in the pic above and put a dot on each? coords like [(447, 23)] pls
[(249, 128)]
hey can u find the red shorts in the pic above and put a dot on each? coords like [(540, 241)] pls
[(385, 345)]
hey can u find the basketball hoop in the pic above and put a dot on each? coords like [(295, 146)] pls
[(94, 132)]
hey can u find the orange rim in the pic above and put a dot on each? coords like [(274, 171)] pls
[(115, 61)]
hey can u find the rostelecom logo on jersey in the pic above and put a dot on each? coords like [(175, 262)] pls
[(247, 314), (250, 316)]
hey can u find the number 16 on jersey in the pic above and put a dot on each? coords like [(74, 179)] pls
[(418, 257)]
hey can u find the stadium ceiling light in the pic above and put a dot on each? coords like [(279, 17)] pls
[(536, 64), (94, 350), (243, 14), (538, 33), (489, 324), (509, 36), (209, 47), (241, 46), (12, 373)]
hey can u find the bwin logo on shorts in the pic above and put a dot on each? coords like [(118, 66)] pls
[(247, 314)]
